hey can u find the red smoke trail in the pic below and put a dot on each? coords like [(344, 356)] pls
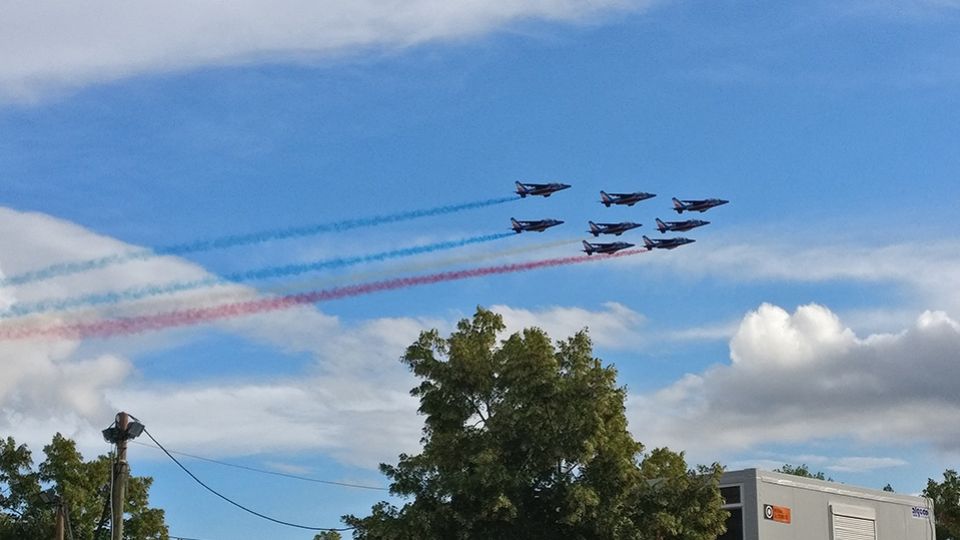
[(188, 317)]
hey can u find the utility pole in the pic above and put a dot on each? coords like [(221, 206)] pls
[(61, 518), (52, 498), (120, 472), (119, 433)]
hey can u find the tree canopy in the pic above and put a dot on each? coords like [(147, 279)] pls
[(946, 504), (79, 484), (802, 470), (527, 439)]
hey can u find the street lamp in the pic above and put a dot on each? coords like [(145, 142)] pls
[(115, 435)]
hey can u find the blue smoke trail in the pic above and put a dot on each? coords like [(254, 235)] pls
[(138, 293), (64, 269)]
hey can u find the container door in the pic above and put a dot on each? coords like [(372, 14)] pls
[(853, 528)]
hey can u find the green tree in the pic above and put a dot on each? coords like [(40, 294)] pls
[(529, 440), (328, 535), (81, 485), (946, 504), (888, 488), (20, 515), (802, 470)]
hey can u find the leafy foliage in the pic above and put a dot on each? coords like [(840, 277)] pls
[(946, 504), (83, 487), (529, 440), (802, 470)]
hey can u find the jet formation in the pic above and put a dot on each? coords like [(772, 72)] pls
[(618, 228)]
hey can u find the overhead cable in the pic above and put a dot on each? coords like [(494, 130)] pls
[(264, 471), (234, 503)]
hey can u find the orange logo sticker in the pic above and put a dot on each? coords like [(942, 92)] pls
[(776, 513)]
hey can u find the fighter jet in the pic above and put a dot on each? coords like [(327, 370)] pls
[(666, 243), (539, 225), (596, 229), (628, 199), (697, 205), (539, 189), (611, 247), (680, 226)]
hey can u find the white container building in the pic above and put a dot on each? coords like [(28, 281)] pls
[(774, 506)]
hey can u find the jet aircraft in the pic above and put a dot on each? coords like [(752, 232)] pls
[(666, 243), (596, 229), (628, 199), (611, 247), (680, 226), (697, 205), (538, 225), (539, 189)]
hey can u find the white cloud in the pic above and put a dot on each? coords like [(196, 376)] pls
[(47, 380), (817, 463), (353, 404), (770, 334), (46, 45), (929, 270), (805, 376), (347, 417), (793, 377), (614, 327), (859, 464), (709, 332)]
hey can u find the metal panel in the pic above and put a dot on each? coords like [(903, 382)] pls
[(851, 528)]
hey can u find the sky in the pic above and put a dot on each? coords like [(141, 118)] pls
[(157, 159)]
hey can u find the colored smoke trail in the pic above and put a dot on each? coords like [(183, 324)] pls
[(137, 293), (189, 317), (223, 242), (319, 283)]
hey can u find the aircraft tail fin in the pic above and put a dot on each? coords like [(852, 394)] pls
[(661, 226), (605, 198), (515, 225), (647, 242), (521, 189), (587, 248), (678, 206), (594, 229)]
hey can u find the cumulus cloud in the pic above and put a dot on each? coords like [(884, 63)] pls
[(805, 376), (48, 45)]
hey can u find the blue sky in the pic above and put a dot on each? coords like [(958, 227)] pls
[(814, 320)]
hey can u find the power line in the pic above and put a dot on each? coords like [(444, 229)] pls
[(264, 471), (238, 505)]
